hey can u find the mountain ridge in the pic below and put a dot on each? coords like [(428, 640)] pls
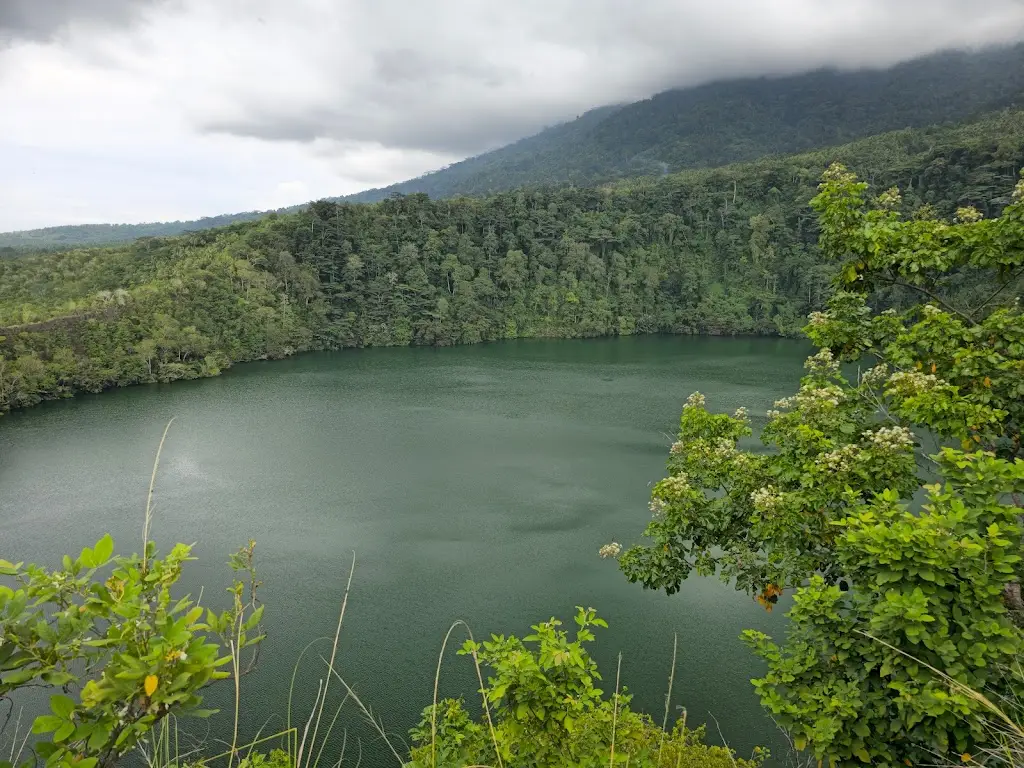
[(710, 125)]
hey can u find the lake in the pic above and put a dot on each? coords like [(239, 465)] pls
[(473, 483)]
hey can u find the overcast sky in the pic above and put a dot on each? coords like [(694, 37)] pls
[(151, 110)]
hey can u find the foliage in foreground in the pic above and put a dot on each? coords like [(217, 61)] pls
[(124, 658), (110, 628), (543, 707), (884, 592)]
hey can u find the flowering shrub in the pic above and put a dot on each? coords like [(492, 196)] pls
[(882, 593)]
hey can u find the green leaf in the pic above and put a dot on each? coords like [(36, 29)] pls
[(62, 706), (104, 549), (46, 723), (64, 731), (99, 737), (202, 713)]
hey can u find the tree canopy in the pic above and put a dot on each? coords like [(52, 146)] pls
[(903, 559)]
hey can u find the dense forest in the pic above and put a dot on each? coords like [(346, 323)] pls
[(703, 127), (725, 251)]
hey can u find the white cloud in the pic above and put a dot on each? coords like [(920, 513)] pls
[(184, 108)]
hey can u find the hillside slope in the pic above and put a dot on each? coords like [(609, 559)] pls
[(71, 235), (711, 251)]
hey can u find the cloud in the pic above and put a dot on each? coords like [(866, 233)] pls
[(124, 110), (461, 76), (44, 19)]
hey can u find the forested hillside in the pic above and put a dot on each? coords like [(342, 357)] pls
[(735, 121), (54, 238), (723, 251)]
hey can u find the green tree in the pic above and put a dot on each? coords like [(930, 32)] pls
[(883, 591)]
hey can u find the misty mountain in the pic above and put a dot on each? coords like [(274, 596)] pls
[(735, 121), (706, 126)]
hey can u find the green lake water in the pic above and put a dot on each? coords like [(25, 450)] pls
[(473, 483)]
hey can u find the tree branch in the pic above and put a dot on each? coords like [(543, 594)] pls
[(966, 318), (1010, 281)]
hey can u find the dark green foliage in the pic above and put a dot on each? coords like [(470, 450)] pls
[(724, 251), (735, 121)]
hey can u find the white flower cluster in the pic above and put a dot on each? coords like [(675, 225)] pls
[(677, 448), (823, 362), (837, 173), (674, 485), (610, 550), (657, 507), (724, 449), (930, 310), (968, 214), (811, 400), (892, 438), (818, 319), (696, 400), (840, 459), (773, 414), (875, 377), (890, 199), (1018, 191), (741, 414), (909, 383), (765, 499)]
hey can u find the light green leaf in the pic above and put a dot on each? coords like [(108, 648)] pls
[(62, 706), (46, 724), (104, 549)]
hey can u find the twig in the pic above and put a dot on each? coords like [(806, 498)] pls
[(668, 696), (149, 496), (334, 651), (615, 712), (727, 749), (1010, 281), (369, 715), (302, 744), (949, 308)]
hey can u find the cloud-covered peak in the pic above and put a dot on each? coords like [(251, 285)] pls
[(194, 107)]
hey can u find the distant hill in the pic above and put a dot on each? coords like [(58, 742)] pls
[(54, 238), (706, 126), (735, 121)]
